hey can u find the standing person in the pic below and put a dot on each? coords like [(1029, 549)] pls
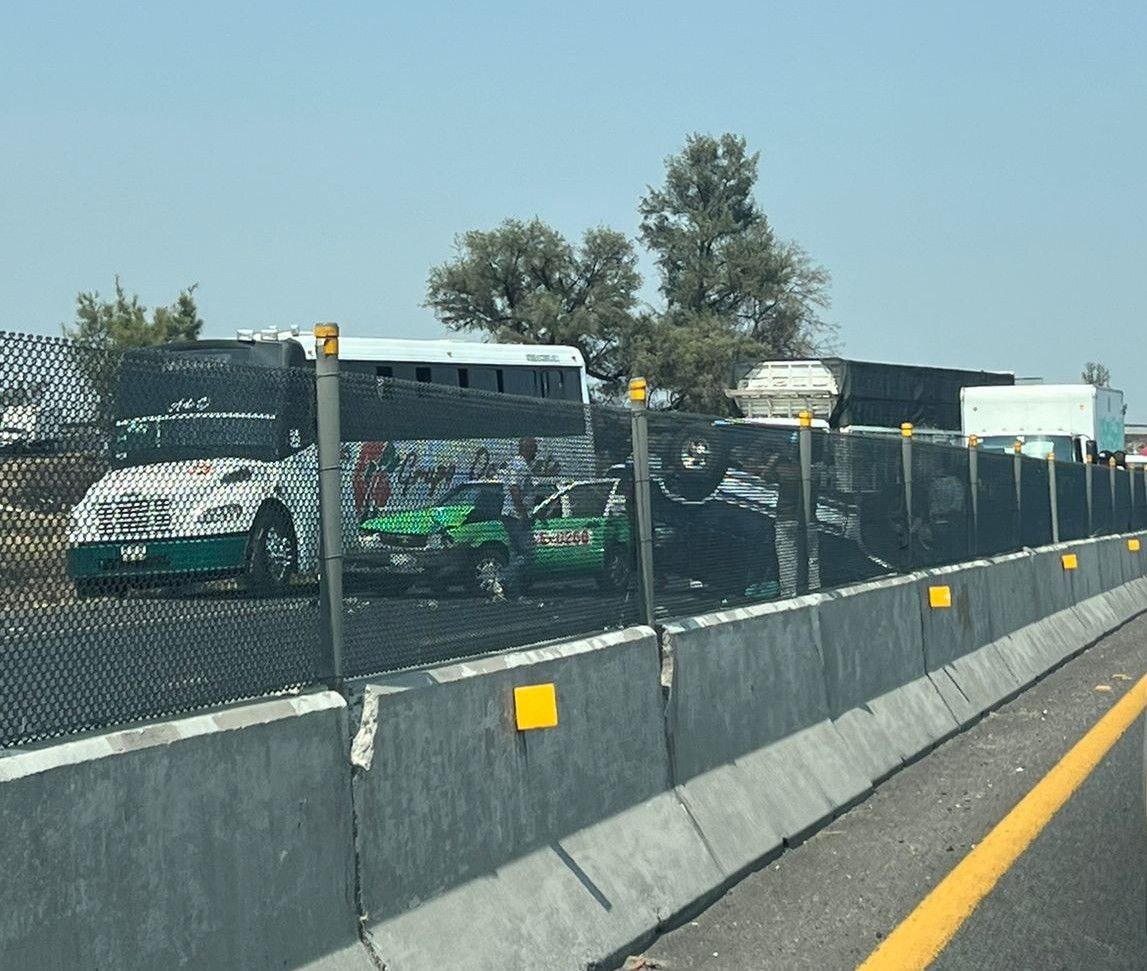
[(516, 507)]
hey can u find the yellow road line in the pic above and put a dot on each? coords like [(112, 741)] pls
[(924, 933)]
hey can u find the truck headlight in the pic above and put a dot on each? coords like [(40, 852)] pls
[(214, 515)]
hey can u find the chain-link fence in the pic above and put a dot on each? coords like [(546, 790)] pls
[(479, 521), (159, 523), (147, 553)]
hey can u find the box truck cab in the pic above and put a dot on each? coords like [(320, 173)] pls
[(1070, 420)]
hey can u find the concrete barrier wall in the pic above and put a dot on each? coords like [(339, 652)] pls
[(481, 846), (677, 763), (213, 841)]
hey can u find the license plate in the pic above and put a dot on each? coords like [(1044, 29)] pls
[(133, 554)]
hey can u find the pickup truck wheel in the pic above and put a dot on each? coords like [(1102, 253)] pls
[(693, 462), (272, 552), (616, 570)]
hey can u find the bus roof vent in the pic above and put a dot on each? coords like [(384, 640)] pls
[(269, 334), (245, 335)]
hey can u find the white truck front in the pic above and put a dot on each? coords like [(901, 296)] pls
[(1071, 420)]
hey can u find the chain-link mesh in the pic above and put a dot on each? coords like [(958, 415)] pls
[(1102, 507), (1137, 486), (997, 523), (1071, 500), (1122, 514), (480, 522), (159, 522), (1035, 502), (149, 534), (941, 506)]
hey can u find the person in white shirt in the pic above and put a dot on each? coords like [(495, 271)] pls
[(516, 507)]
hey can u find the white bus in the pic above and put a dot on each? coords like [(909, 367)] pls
[(214, 467)]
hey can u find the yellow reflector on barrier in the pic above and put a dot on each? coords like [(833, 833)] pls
[(536, 706), (940, 596), (1070, 561), (1133, 545)]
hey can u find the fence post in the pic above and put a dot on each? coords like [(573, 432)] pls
[(974, 486), (1053, 497), (1017, 476), (808, 565), (1111, 483), (329, 446), (906, 459), (639, 430), (1087, 471)]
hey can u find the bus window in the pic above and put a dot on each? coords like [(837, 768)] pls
[(384, 371), (463, 377), (481, 378), (501, 380), (422, 375), (521, 381)]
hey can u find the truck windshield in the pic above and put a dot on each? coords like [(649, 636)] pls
[(141, 441), (1034, 446)]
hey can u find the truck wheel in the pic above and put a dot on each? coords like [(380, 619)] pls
[(616, 570), (272, 552), (693, 462), (488, 571)]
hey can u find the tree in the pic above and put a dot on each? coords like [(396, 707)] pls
[(123, 322), (1095, 373), (524, 282), (733, 291), (103, 329)]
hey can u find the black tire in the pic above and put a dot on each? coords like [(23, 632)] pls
[(487, 574), (272, 552), (615, 571), (693, 462)]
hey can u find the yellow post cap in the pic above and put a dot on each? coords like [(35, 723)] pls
[(906, 429), (638, 389), (1018, 447), (327, 339), (939, 597), (973, 441), (805, 418), (1133, 544), (1070, 561)]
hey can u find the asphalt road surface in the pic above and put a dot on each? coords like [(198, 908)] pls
[(1077, 898)]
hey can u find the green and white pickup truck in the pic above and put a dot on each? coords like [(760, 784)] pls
[(581, 530)]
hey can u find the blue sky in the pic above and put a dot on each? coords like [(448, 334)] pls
[(972, 174)]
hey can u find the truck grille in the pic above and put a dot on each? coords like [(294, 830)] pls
[(134, 518)]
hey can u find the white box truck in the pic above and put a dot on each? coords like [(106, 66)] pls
[(1071, 420)]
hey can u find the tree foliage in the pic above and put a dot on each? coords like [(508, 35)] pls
[(123, 321), (733, 291), (730, 290), (524, 282), (1097, 374), (103, 329)]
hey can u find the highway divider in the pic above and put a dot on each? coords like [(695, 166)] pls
[(558, 805), (216, 840)]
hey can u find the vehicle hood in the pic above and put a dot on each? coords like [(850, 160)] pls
[(419, 522), (188, 478)]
